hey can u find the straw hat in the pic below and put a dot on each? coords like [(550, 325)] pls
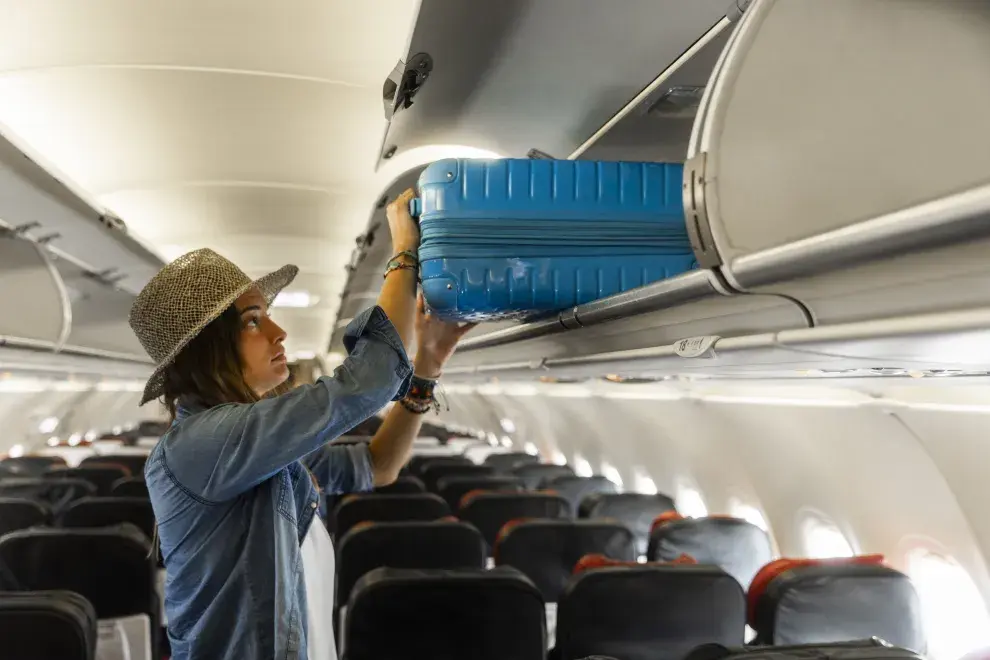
[(183, 298)]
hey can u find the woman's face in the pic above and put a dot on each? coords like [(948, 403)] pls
[(262, 354)]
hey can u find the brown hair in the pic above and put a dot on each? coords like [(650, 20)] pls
[(208, 370)]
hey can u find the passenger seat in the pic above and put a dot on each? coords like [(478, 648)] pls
[(638, 611), (546, 551), (636, 511), (812, 601), (442, 544), (355, 509), (469, 614), (490, 511), (738, 547)]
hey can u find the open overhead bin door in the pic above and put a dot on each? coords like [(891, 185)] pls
[(514, 75), (43, 205), (35, 300), (824, 166)]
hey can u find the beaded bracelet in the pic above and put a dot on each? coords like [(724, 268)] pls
[(395, 264)]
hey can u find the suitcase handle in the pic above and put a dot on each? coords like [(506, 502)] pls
[(415, 207)]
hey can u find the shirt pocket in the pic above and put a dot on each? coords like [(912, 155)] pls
[(286, 499)]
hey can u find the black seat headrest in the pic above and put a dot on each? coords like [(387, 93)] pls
[(649, 612), (355, 509), (832, 602), (546, 551), (108, 511), (47, 624), (446, 544), (534, 475), (432, 474), (635, 510), (454, 487), (504, 463), (110, 566), (477, 614), (575, 488), (490, 511), (738, 547)]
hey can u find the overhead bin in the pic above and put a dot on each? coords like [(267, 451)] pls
[(820, 169), (51, 210), (516, 75), (33, 294), (818, 173), (934, 345), (99, 316)]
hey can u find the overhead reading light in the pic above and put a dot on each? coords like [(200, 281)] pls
[(295, 299), (48, 425)]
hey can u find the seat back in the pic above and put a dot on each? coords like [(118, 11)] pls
[(55, 493), (355, 509), (636, 511), (533, 475), (738, 547), (418, 462), (453, 488), (110, 511), (546, 551), (444, 543), (813, 601), (20, 513), (490, 511), (47, 624), (432, 474), (102, 475), (477, 614), (505, 463), (649, 612), (575, 488), (30, 466), (401, 486), (110, 566), (133, 462), (129, 487)]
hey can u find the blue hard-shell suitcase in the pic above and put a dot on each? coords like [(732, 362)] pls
[(517, 238)]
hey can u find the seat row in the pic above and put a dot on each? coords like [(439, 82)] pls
[(424, 583), (23, 513)]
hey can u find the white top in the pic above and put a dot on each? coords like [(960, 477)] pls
[(319, 570)]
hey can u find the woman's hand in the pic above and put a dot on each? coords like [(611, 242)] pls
[(405, 231), (435, 340)]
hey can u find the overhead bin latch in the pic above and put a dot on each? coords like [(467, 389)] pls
[(697, 347), (737, 9), (404, 82), (696, 212)]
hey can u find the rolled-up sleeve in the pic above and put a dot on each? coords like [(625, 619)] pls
[(373, 322), (223, 451), (342, 468)]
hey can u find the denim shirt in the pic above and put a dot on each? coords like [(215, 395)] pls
[(233, 502)]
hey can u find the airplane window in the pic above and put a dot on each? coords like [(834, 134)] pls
[(749, 513), (508, 425), (612, 474), (823, 539), (559, 458), (16, 451), (644, 484), (582, 467), (532, 449), (956, 617), (689, 502), (506, 441)]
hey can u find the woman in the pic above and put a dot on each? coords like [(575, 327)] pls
[(250, 565)]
